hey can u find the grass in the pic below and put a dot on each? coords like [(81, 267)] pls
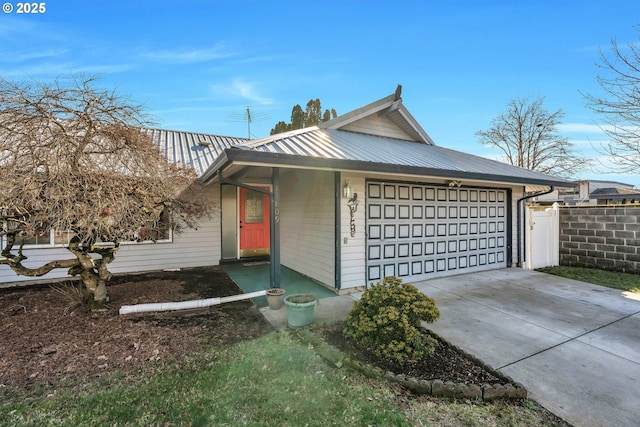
[(272, 381), (611, 279)]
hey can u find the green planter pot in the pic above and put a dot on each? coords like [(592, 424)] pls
[(300, 308)]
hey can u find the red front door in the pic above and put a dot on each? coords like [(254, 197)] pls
[(254, 223)]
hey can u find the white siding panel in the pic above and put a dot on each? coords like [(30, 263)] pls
[(378, 125), (193, 248), (517, 193), (353, 248), (307, 243)]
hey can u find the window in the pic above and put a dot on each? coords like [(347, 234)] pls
[(157, 231), (42, 238)]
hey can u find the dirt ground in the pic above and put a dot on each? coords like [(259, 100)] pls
[(49, 335)]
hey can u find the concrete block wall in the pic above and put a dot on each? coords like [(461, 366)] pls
[(605, 237)]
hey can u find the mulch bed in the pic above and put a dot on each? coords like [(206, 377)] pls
[(446, 363), (48, 335)]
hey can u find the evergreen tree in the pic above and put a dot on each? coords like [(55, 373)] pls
[(300, 118)]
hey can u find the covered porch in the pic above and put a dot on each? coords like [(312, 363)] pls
[(254, 276), (285, 217)]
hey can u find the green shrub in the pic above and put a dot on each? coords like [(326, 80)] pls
[(386, 320)]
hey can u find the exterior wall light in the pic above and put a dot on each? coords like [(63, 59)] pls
[(347, 191)]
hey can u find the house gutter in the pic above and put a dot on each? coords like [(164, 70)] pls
[(520, 222), (274, 221)]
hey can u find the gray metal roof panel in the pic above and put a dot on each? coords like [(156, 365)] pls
[(342, 145), (194, 150)]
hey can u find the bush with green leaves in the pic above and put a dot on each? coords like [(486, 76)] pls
[(386, 320)]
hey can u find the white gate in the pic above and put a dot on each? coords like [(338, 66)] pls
[(542, 238)]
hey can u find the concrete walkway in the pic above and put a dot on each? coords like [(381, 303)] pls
[(574, 346)]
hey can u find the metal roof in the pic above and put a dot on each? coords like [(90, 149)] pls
[(384, 154), (194, 150), (334, 145)]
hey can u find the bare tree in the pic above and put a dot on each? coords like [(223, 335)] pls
[(77, 166), (620, 105), (527, 135)]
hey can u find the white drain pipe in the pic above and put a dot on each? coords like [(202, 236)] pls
[(186, 305)]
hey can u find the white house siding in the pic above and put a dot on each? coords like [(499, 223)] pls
[(353, 248), (517, 193), (307, 230), (378, 125), (193, 248)]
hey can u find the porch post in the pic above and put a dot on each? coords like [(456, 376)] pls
[(275, 228), (337, 254)]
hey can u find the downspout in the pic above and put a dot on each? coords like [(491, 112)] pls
[(274, 219), (520, 212), (187, 305)]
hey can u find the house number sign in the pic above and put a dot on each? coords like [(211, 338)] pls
[(353, 207)]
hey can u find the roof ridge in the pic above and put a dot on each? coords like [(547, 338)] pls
[(193, 133), (253, 143)]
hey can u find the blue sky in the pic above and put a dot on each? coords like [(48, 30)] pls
[(197, 64)]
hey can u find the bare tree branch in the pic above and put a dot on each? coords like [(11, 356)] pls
[(75, 159), (619, 105), (526, 134)]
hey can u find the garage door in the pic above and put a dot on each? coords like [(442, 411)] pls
[(417, 231)]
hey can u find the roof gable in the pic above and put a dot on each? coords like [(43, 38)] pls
[(386, 117), (379, 137), (378, 124)]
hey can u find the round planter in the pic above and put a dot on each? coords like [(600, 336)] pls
[(300, 309), (275, 298)]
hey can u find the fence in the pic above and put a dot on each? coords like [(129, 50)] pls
[(605, 237), (542, 238)]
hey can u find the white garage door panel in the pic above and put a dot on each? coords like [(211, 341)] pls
[(419, 231)]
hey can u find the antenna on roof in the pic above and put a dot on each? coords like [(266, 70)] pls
[(248, 116)]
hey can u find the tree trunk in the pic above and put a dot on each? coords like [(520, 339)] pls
[(94, 273), (100, 293)]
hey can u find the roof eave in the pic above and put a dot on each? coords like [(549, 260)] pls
[(416, 129), (261, 158), (219, 163)]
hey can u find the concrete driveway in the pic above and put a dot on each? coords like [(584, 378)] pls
[(574, 346)]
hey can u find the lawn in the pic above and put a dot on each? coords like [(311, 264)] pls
[(274, 380), (611, 279)]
